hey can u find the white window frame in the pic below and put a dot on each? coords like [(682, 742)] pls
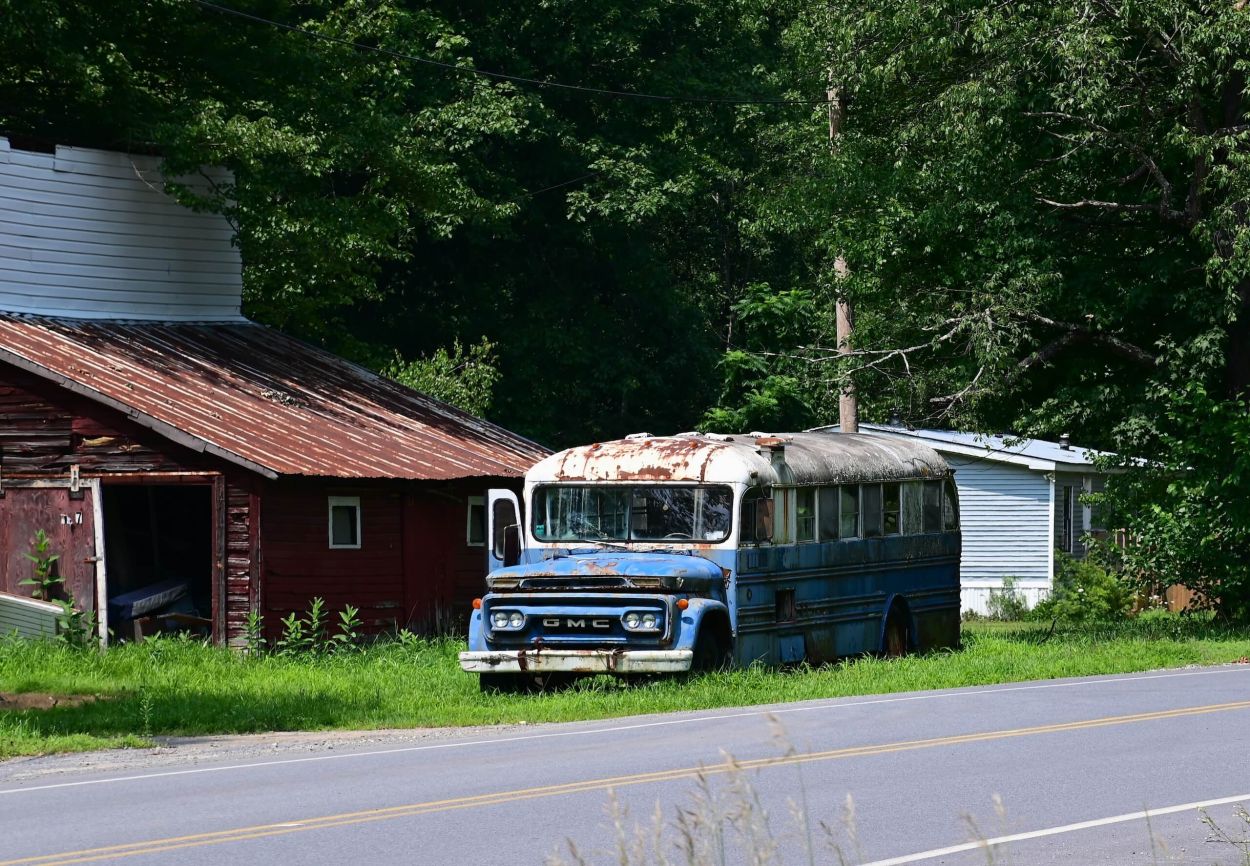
[(474, 502), (341, 502)]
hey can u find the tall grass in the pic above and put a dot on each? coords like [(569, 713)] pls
[(176, 687)]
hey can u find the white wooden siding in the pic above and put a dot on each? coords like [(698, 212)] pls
[(28, 617), (92, 234)]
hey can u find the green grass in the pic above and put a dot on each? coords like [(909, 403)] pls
[(183, 688)]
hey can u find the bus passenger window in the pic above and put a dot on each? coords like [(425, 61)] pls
[(950, 507), (805, 512), (891, 509), (850, 511), (757, 518), (828, 512), (932, 506), (871, 496)]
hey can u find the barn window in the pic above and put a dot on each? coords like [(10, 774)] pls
[(475, 528), (345, 522)]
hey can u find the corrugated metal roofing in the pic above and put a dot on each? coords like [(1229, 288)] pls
[(1008, 449), (262, 400)]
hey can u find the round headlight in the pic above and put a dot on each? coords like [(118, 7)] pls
[(649, 620), (516, 620), (632, 620), (499, 619)]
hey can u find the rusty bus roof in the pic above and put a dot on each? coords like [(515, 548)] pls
[(754, 458), (259, 399)]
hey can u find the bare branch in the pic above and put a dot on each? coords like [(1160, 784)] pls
[(1168, 214), (1080, 333), (1164, 207)]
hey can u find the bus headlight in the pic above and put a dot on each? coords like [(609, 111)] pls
[(641, 620), (507, 620)]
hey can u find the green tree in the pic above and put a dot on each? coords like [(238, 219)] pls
[(1043, 209)]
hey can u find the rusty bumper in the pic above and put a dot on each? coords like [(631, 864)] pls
[(596, 661)]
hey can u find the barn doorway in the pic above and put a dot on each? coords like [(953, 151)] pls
[(158, 543)]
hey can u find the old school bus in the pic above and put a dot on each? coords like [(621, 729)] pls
[(663, 554)]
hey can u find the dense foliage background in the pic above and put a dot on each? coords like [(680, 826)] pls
[(1042, 209)]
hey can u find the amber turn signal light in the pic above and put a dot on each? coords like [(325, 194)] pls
[(477, 604), (683, 603)]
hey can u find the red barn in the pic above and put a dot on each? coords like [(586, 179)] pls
[(185, 460)]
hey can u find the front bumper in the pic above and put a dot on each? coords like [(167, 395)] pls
[(596, 661)]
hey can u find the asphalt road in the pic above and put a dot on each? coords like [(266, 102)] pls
[(1058, 772)]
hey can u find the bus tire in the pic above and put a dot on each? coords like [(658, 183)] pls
[(711, 649), (896, 641)]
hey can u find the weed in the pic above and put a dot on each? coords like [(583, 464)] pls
[(46, 580), (1008, 603), (254, 633), (1238, 841), (307, 635)]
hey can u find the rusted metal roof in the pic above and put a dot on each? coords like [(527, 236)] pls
[(755, 458), (260, 399)]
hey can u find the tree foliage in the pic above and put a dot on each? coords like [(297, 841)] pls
[(1041, 208)]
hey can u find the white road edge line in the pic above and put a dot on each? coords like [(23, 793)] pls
[(840, 703), (1055, 831)]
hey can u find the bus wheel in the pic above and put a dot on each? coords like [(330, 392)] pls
[(711, 653), (897, 634)]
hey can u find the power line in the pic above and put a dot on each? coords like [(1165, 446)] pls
[(502, 76)]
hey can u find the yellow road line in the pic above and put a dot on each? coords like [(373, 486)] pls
[(260, 831)]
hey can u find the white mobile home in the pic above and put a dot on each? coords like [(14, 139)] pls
[(1020, 501)]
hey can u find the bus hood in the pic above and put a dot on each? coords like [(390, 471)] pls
[(611, 570)]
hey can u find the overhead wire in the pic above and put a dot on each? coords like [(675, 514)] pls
[(503, 76)]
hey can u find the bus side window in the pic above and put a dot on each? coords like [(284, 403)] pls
[(805, 514), (932, 506), (950, 506), (871, 503), (757, 518), (850, 511), (828, 510), (891, 510), (912, 520)]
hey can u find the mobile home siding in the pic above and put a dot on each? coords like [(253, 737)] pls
[(28, 617), (1004, 514)]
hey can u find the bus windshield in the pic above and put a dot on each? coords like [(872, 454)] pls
[(638, 513)]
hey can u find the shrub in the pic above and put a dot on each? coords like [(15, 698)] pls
[(1007, 603), (1084, 591)]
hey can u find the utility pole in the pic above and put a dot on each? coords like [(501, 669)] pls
[(848, 402)]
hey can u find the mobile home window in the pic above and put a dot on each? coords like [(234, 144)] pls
[(891, 508), (344, 522), (475, 522), (850, 511), (932, 507), (828, 511), (871, 504), (805, 513)]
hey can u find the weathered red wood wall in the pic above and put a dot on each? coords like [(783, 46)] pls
[(45, 429), (414, 569)]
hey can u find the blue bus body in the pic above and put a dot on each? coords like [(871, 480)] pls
[(773, 583)]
